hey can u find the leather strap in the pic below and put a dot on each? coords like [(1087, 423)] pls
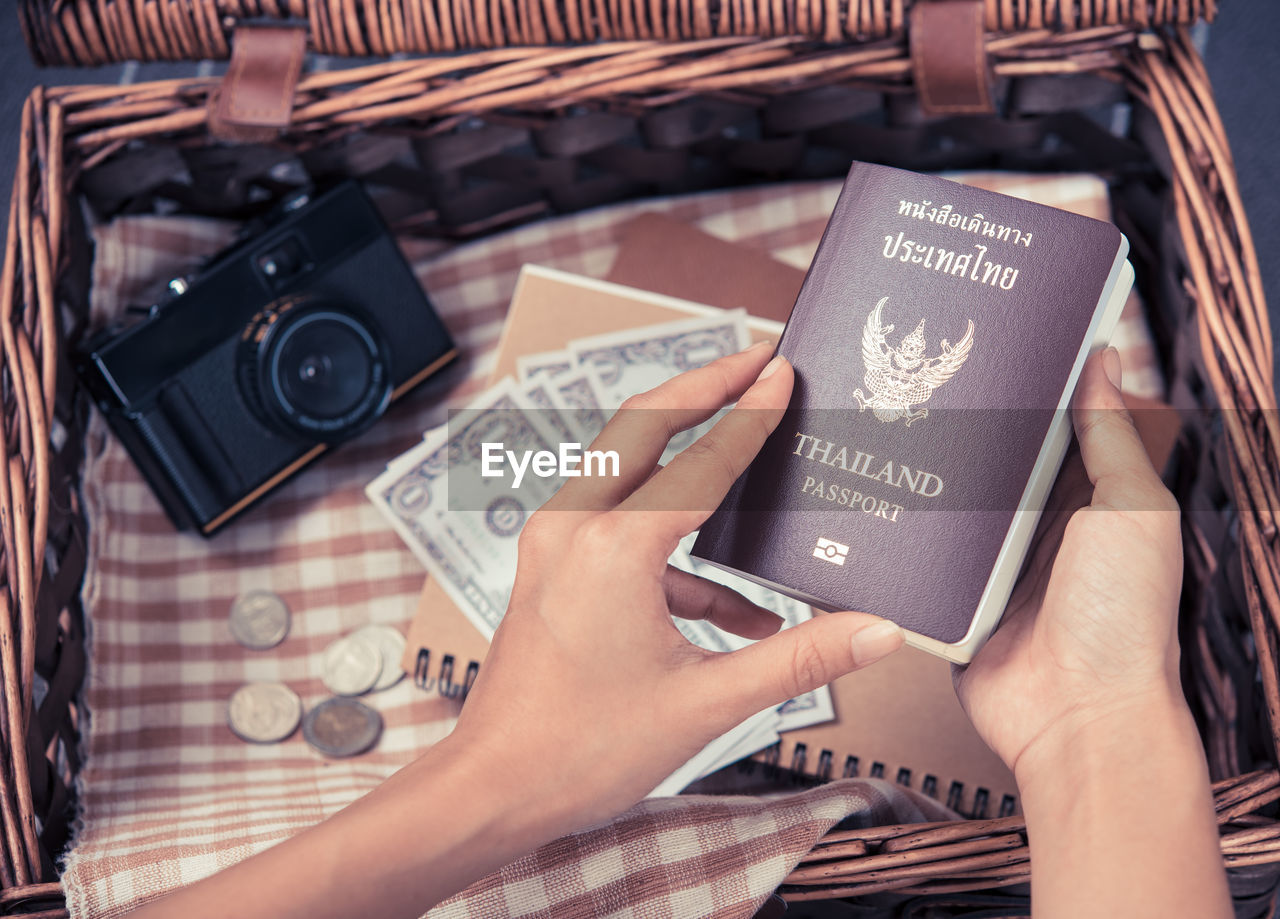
[(949, 58), (254, 101)]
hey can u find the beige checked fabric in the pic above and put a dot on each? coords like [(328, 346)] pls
[(673, 858), (170, 795)]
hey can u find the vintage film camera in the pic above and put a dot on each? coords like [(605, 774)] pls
[(287, 343)]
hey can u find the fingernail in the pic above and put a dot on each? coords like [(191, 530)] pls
[(767, 343), (875, 641), (1111, 366), (771, 368)]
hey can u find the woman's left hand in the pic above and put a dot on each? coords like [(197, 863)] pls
[(587, 658), (589, 696)]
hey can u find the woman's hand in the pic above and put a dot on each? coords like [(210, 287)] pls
[(1091, 629), (589, 696), (589, 692), (1078, 689)]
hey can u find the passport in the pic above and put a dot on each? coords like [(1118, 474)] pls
[(937, 339)]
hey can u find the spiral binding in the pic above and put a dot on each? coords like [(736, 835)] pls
[(443, 682), (769, 762)]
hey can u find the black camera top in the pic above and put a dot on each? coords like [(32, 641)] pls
[(289, 341), (228, 293)]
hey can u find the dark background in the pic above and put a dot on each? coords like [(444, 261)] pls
[(1240, 51)]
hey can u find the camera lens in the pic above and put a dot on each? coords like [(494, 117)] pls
[(318, 369), (323, 366)]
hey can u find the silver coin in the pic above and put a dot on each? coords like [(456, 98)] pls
[(342, 727), (264, 712), (259, 619), (388, 640), (351, 666)]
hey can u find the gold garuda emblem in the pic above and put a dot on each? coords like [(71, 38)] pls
[(901, 378)]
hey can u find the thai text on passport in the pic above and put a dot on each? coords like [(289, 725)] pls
[(973, 265)]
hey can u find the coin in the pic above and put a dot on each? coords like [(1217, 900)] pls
[(259, 619), (351, 666), (264, 712), (341, 727), (388, 640)]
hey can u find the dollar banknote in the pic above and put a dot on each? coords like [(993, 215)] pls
[(462, 523), (637, 360), (546, 365), (582, 401), (541, 394)]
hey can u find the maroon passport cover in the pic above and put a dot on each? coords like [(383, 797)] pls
[(932, 340)]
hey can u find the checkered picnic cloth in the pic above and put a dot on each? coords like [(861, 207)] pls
[(169, 794), (678, 858)]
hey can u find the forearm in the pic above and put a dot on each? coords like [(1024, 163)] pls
[(426, 833), (1120, 820)]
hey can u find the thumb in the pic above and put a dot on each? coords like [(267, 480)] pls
[(800, 659), (1116, 461)]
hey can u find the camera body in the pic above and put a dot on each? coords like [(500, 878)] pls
[(285, 344)]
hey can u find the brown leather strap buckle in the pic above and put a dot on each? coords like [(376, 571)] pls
[(949, 57), (254, 101)]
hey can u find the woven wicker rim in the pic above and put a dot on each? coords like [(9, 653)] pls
[(68, 129), (85, 33)]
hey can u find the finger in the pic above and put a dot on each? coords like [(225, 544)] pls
[(693, 484), (1071, 491), (1117, 463), (639, 431), (692, 597), (800, 659)]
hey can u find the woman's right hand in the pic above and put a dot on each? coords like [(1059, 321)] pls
[(1078, 689), (1091, 629)]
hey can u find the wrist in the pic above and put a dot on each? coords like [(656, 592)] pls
[(490, 799), (1120, 816), (1091, 745)]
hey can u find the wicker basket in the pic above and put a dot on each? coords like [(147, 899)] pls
[(655, 97)]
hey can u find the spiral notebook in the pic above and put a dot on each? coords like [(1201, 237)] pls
[(443, 650)]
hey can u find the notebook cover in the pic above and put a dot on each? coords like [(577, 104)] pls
[(932, 346)]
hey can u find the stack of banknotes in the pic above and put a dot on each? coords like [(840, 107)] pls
[(464, 524)]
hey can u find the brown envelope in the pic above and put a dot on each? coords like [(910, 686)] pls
[(673, 258)]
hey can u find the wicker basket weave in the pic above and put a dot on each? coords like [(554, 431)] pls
[(655, 97)]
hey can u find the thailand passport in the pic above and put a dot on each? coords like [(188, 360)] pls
[(936, 341)]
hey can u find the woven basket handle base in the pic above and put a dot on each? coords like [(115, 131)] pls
[(949, 57), (254, 102)]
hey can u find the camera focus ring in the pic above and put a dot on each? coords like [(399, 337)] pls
[(314, 369)]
